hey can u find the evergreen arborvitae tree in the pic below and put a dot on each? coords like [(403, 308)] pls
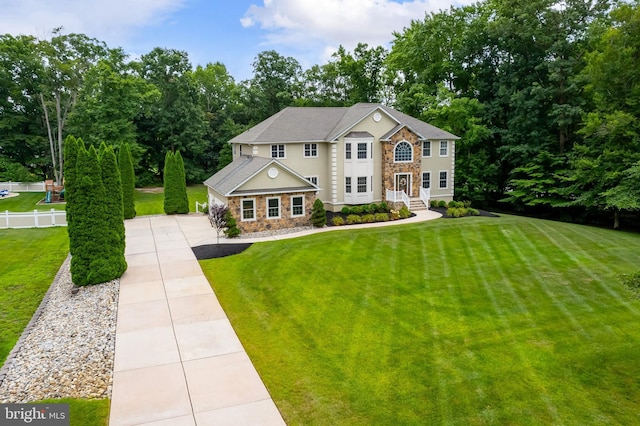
[(70, 159), (175, 189), (127, 176), (115, 212), (92, 261), (318, 214), (232, 229), (184, 198)]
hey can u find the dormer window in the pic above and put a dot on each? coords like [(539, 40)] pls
[(403, 152)]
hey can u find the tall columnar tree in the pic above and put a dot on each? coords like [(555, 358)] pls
[(71, 149), (127, 176), (175, 188), (113, 202), (94, 260)]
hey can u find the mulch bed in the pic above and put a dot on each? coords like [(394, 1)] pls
[(214, 251)]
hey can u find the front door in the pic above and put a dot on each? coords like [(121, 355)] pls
[(403, 183)]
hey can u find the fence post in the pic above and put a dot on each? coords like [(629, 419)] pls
[(35, 217)]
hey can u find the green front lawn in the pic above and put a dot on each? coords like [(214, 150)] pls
[(151, 201), (472, 321), (27, 202), (84, 412), (30, 260)]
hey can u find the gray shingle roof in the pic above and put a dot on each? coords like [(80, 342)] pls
[(318, 124)]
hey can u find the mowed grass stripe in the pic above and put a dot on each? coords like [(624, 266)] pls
[(396, 326)]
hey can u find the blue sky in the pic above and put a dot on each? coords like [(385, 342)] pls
[(229, 31)]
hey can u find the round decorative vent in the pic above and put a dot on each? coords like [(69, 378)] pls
[(272, 173), (377, 117)]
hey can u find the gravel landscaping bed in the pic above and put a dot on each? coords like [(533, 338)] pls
[(68, 351)]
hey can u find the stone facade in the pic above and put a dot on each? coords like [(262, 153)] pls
[(391, 168), (261, 222)]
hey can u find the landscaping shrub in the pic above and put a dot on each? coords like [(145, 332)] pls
[(338, 221), (175, 185), (71, 146), (466, 203), (353, 219), (128, 178), (433, 204), (442, 204), (382, 217), (472, 212), (372, 208), (346, 210), (404, 212), (318, 214), (383, 207), (357, 209), (394, 214), (368, 218), (232, 229)]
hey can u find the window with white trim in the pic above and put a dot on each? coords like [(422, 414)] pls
[(444, 148), (347, 184), (312, 179), (426, 148), (297, 205), (248, 206), (426, 180), (443, 180), (273, 208), (310, 150), (362, 150), (362, 184), (347, 150), (240, 148), (277, 151), (403, 152)]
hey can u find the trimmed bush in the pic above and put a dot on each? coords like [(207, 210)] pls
[(357, 210), (318, 214), (345, 210), (368, 218), (175, 186), (383, 207), (353, 219), (404, 212), (382, 217), (128, 178), (394, 214), (433, 204), (232, 229), (442, 204), (472, 212), (337, 221), (372, 208)]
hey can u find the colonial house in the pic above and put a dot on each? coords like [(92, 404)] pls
[(345, 156)]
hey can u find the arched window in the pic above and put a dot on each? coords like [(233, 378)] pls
[(403, 152)]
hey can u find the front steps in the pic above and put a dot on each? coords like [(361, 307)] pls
[(417, 204)]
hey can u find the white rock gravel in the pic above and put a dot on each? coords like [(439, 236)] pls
[(69, 351)]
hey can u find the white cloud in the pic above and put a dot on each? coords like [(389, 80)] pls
[(108, 20), (325, 24)]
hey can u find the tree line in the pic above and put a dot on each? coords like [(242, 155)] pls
[(544, 94)]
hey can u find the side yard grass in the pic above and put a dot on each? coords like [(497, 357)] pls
[(473, 321), (151, 201), (30, 260), (28, 202)]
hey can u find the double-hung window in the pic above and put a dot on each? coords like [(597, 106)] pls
[(444, 148), (362, 151), (297, 205), (426, 148), (273, 208), (249, 209), (347, 151), (443, 180), (277, 151), (310, 150), (347, 184), (362, 184), (426, 180)]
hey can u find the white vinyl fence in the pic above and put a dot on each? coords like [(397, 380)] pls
[(23, 186), (34, 219)]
